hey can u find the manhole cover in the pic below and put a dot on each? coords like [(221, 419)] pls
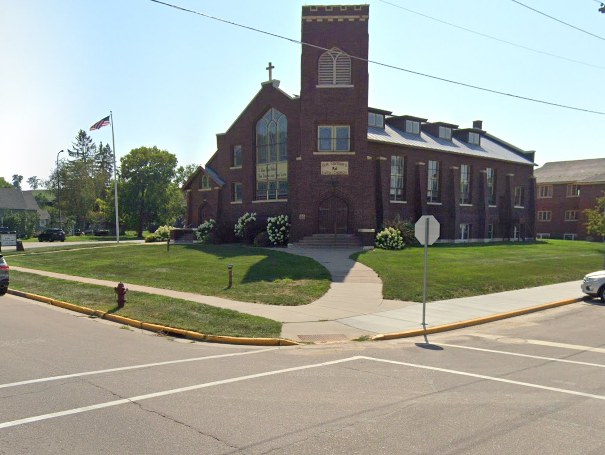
[(323, 338)]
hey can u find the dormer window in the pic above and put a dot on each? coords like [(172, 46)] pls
[(445, 133), (473, 138), (375, 120), (334, 68), (412, 127)]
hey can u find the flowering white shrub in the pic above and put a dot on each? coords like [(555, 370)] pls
[(240, 226), (204, 229), (278, 230), (162, 233), (390, 239)]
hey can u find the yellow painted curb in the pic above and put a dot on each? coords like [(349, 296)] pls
[(155, 327), (471, 322)]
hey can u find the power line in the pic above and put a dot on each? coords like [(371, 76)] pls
[(492, 37), (558, 20), (208, 16)]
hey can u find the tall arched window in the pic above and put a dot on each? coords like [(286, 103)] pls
[(334, 68), (272, 156)]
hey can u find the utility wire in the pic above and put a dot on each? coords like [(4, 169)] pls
[(492, 37), (558, 20), (378, 63)]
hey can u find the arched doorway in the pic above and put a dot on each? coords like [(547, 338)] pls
[(333, 216), (204, 213)]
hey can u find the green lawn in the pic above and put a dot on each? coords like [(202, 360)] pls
[(475, 269), (151, 308), (259, 275)]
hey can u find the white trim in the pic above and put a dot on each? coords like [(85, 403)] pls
[(333, 153), (204, 189), (466, 205), (270, 200), (366, 230), (398, 202), (235, 202), (434, 203), (335, 86), (492, 206), (235, 167), (519, 206)]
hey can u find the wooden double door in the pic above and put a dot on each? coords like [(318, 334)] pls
[(333, 216)]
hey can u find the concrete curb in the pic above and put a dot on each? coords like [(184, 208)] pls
[(155, 327), (471, 322)]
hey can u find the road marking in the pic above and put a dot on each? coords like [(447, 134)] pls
[(134, 367), (550, 359), (166, 392), (553, 344)]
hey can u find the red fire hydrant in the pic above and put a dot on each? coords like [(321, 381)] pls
[(121, 293)]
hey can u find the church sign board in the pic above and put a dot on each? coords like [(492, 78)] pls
[(334, 168)]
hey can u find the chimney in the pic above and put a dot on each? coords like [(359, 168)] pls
[(478, 124)]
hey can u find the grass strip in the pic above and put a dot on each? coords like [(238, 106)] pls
[(465, 270), (259, 275), (150, 308)]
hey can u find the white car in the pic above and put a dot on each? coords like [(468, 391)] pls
[(594, 284)]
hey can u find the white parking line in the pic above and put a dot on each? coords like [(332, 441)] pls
[(39, 418), (553, 344), (134, 367), (538, 357), (164, 393)]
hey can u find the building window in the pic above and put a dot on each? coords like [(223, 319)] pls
[(465, 231), (473, 138), (465, 184), (573, 190), (543, 236), (375, 120), (236, 192), (490, 231), (544, 191), (519, 196), (42, 223), (237, 156), (334, 138), (334, 68), (271, 155), (544, 215), (491, 186), (571, 215), (432, 194), (569, 236), (205, 182), (412, 126), (445, 133), (397, 180)]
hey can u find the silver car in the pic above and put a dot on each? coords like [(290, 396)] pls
[(594, 284), (3, 276)]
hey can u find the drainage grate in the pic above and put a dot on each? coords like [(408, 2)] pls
[(323, 338)]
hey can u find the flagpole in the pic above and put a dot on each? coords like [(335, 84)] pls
[(115, 179)]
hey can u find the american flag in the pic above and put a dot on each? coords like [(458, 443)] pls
[(100, 124)]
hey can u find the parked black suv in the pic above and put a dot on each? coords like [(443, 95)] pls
[(50, 235), (3, 276)]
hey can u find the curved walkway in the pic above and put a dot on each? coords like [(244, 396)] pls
[(354, 307)]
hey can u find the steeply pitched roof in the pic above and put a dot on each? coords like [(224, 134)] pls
[(489, 148), (579, 171), (13, 199)]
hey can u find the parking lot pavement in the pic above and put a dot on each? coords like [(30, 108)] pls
[(73, 384)]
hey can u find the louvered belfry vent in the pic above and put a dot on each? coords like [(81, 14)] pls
[(334, 68)]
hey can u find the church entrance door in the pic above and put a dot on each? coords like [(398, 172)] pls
[(333, 216), (204, 213)]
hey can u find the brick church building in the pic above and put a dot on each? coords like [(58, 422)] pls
[(336, 165)]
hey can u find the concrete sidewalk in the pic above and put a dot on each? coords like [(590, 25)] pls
[(354, 307)]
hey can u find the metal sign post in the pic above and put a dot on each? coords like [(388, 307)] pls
[(427, 232)]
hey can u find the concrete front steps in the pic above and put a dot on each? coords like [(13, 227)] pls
[(330, 241)]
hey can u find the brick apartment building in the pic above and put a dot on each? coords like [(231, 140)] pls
[(564, 190), (335, 165)]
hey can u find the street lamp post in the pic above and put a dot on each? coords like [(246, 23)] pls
[(59, 189)]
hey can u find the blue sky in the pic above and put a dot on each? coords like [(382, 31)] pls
[(175, 79)]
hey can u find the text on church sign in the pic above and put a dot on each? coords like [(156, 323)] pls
[(334, 168)]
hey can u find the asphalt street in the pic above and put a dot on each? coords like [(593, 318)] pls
[(531, 385)]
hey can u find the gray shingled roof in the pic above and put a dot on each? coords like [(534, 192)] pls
[(580, 171), (488, 148), (13, 199)]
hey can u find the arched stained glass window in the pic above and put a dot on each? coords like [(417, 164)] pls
[(334, 68), (272, 156)]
